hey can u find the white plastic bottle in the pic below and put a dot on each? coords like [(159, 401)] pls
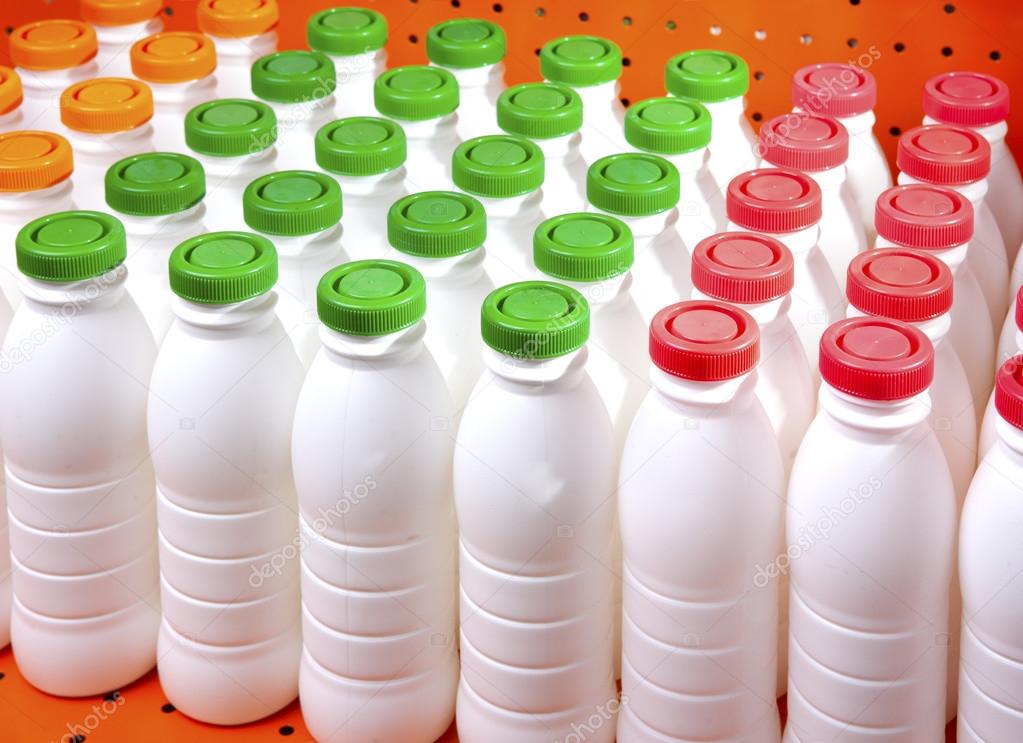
[(78, 358), (819, 147), (5, 555), (472, 50), (119, 24), (221, 404), (378, 554), (242, 32), (699, 637), (1010, 345), (299, 211), (159, 198), (12, 95), (354, 39)]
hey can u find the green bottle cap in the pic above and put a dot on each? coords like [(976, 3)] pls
[(416, 93), (155, 183), (361, 145), (70, 246), (230, 127), (345, 32), (535, 320), (634, 184), (374, 297), (497, 166), (668, 126), (223, 267), (293, 77), (540, 110), (436, 224), (465, 42), (707, 75), (584, 247), (581, 61), (292, 202)]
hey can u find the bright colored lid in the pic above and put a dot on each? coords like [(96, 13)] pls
[(345, 32), (966, 99), (876, 358), (56, 44), (633, 184), (32, 160), (223, 267), (707, 75), (804, 142), (106, 104), (173, 57), (704, 341), (497, 166), (293, 76), (583, 247), (900, 284), (292, 202), (773, 200), (436, 224), (924, 217), (155, 183), (361, 145), (944, 154), (581, 61), (1009, 391), (535, 320), (540, 110), (668, 126), (237, 18), (230, 127), (119, 12), (416, 92), (1019, 309), (834, 89), (70, 246), (465, 42), (742, 267), (11, 93), (371, 298)]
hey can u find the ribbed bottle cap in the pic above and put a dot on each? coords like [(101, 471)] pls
[(104, 105), (583, 247), (944, 154), (11, 93), (804, 142), (293, 77), (119, 12), (668, 126), (1019, 309), (581, 61), (540, 110), (924, 217), (742, 268), (70, 246), (900, 284), (465, 42), (223, 267), (173, 57), (155, 183), (966, 99), (704, 340), (416, 93), (633, 184), (55, 44), (707, 75), (345, 32), (535, 320), (292, 203), (497, 166), (773, 200), (371, 298), (834, 89), (361, 145), (237, 18), (436, 224), (1009, 391), (230, 127), (30, 160)]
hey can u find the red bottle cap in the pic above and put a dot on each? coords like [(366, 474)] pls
[(924, 217), (705, 341), (1019, 309), (773, 200), (966, 99), (876, 358), (834, 89), (804, 142), (899, 284), (1009, 391), (742, 267), (944, 154)]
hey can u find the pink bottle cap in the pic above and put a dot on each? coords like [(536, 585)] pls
[(1009, 391), (834, 89), (773, 200), (944, 154), (924, 217), (900, 284), (807, 143), (966, 99), (1019, 309), (705, 341), (876, 358), (742, 267)]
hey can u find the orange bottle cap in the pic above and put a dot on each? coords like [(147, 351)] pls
[(53, 45), (119, 12), (106, 104), (10, 90), (33, 160), (236, 18), (173, 57)]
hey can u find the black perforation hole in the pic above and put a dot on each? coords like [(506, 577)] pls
[(168, 708), (949, 8), (497, 7), (995, 55), (626, 62), (946, 51), (852, 43), (758, 75), (584, 16), (286, 730), (625, 102), (413, 39), (456, 3), (757, 116), (899, 47), (541, 12), (895, 131)]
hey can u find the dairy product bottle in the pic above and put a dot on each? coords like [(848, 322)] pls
[(12, 95), (534, 482), (378, 556), (699, 637), (680, 131), (366, 155), (590, 65), (221, 404), (79, 481), (119, 24), (1009, 345), (299, 211), (989, 553), (819, 147), (354, 40), (423, 100), (159, 198), (441, 234), (505, 174), (472, 50), (243, 31), (5, 552)]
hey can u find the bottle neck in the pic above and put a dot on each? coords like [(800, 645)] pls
[(477, 79), (127, 32), (374, 186), (245, 50), (75, 296), (299, 248), (602, 295), (366, 65), (952, 257), (936, 329), (459, 269), (994, 133), (19, 206), (513, 207), (727, 116), (1011, 438), (162, 225), (403, 344), (48, 82), (799, 242), (596, 98), (565, 148), (241, 169), (308, 115), (708, 398), (771, 316), (646, 226), (532, 372), (170, 97), (874, 415), (975, 191), (251, 315), (688, 162), (110, 144), (429, 131)]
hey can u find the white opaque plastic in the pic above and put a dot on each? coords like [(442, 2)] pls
[(235, 57), (297, 124), (430, 146), (842, 234), (5, 556), (511, 223), (18, 208), (732, 141), (603, 120), (478, 90), (701, 208), (171, 103), (226, 179), (355, 75), (564, 177), (114, 56), (95, 153), (366, 200), (40, 107)]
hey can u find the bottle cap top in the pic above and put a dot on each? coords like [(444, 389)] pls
[(876, 358), (11, 93), (1009, 391), (104, 105), (173, 57), (465, 42), (119, 12), (1019, 309), (704, 341), (31, 160), (70, 246), (416, 93), (742, 268), (155, 183), (966, 99), (900, 284), (55, 44), (237, 18), (293, 77), (535, 320), (345, 32), (436, 224), (498, 166), (361, 145), (371, 298), (223, 267), (834, 89), (773, 200), (633, 184), (292, 203), (707, 75), (230, 127), (944, 155), (540, 110), (581, 61), (804, 142), (668, 126), (583, 247), (924, 217)]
